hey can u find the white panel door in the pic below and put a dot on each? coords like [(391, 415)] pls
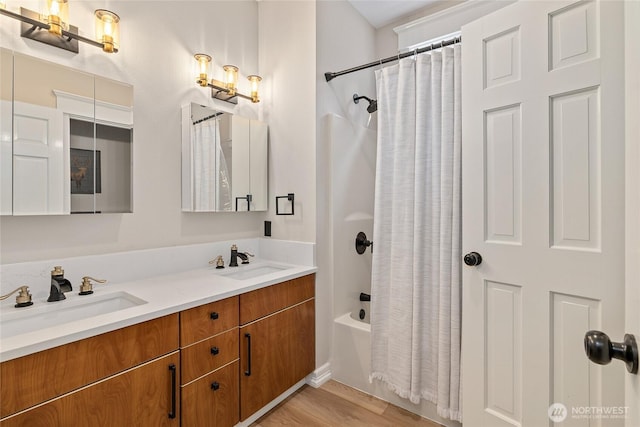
[(41, 183), (543, 203)]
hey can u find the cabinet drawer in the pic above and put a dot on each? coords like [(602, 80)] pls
[(262, 302), (208, 355), (32, 379), (213, 400), (207, 320)]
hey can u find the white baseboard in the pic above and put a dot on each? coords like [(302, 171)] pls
[(319, 376)]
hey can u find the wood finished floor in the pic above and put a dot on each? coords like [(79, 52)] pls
[(335, 404)]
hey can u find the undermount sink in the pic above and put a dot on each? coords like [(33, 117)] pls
[(51, 314), (250, 271)]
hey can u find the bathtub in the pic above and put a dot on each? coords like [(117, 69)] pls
[(351, 361), (351, 365)]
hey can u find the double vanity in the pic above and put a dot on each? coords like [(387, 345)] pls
[(200, 346)]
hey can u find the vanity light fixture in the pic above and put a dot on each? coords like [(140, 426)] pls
[(226, 90), (52, 26)]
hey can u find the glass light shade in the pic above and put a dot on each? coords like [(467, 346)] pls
[(204, 68), (56, 14), (255, 82), (231, 78), (108, 30)]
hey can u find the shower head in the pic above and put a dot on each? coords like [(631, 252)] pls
[(373, 104)]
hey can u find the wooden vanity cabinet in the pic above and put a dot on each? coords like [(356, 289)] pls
[(209, 356), (117, 378), (277, 341), (211, 365)]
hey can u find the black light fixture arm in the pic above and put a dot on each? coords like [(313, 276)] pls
[(222, 89), (24, 19)]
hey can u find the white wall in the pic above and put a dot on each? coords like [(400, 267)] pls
[(158, 40), (287, 40), (344, 39)]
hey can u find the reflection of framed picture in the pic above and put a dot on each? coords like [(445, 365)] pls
[(82, 171)]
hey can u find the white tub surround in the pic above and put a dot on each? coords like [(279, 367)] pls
[(168, 279)]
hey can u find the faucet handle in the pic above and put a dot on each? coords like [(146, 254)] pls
[(23, 299), (218, 261), (87, 287)]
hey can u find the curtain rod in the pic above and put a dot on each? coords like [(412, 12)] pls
[(433, 46), (207, 118)]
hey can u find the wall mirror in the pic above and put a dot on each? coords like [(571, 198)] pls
[(66, 139), (224, 161)]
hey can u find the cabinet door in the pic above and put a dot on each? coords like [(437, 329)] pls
[(258, 161), (142, 396), (213, 399), (276, 352), (38, 377)]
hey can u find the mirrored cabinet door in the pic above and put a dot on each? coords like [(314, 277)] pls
[(258, 173), (6, 124), (224, 161), (66, 140)]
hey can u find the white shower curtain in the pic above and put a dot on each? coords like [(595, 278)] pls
[(416, 274)]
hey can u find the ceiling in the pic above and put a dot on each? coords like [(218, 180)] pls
[(383, 12)]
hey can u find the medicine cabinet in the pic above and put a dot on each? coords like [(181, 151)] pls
[(66, 140), (224, 161)]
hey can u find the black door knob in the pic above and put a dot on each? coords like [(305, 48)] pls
[(472, 259), (601, 350)]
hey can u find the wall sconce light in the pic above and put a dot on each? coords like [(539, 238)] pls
[(204, 68), (230, 78), (55, 20), (108, 30), (226, 90), (255, 82), (56, 14)]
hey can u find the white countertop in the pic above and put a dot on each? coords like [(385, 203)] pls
[(166, 294)]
